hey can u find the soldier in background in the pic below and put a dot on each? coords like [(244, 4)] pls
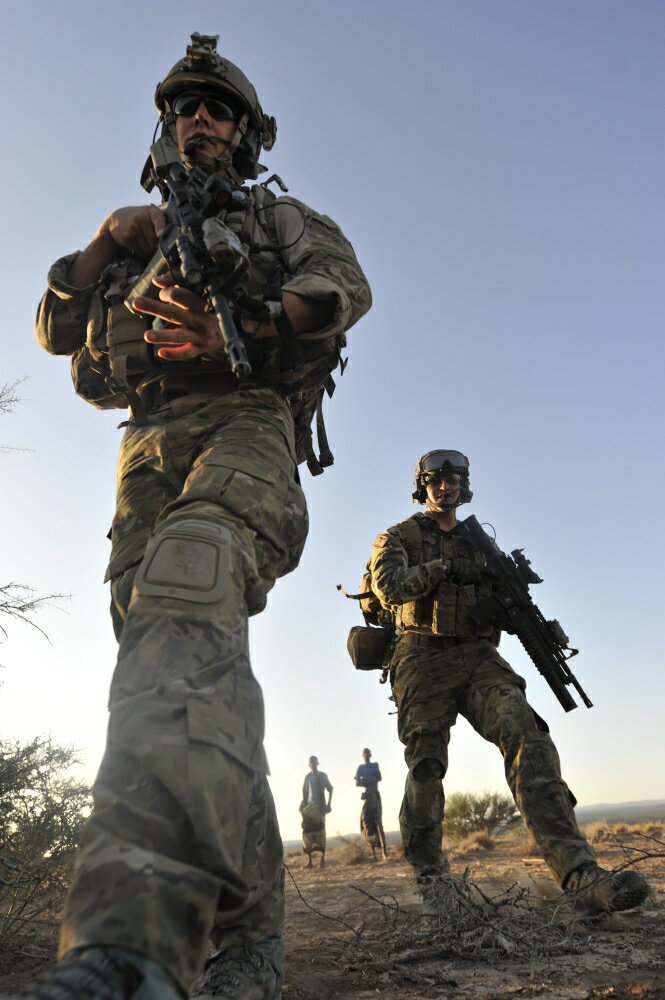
[(183, 845), (314, 807), (428, 576), (368, 776)]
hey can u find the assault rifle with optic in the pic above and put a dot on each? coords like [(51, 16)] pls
[(203, 253), (511, 609)]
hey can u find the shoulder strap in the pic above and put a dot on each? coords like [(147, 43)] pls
[(411, 532)]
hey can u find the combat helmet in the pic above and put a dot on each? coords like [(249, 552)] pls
[(203, 68), (440, 460)]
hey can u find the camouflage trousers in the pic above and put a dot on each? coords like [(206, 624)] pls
[(183, 844), (433, 683)]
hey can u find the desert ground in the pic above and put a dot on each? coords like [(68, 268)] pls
[(501, 930), (498, 929)]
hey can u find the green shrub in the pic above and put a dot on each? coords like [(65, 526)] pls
[(467, 813)]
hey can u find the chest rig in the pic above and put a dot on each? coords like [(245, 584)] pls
[(117, 365), (132, 362), (447, 610)]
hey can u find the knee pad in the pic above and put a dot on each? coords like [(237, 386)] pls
[(428, 769), (189, 560)]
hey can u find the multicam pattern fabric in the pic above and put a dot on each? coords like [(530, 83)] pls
[(437, 678), (320, 264), (183, 843), (409, 576)]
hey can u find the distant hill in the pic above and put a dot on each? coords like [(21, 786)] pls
[(623, 812), (648, 810)]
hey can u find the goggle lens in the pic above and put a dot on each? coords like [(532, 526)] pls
[(188, 104), (437, 459)]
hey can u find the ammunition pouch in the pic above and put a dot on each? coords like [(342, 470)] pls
[(369, 648), (129, 353), (450, 612)]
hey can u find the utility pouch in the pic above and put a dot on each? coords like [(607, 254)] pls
[(129, 353), (445, 608), (369, 647)]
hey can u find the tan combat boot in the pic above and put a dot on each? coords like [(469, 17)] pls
[(242, 973), (101, 973), (596, 890)]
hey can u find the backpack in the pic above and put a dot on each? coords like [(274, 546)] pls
[(305, 364)]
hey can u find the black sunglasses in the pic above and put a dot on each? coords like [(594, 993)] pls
[(188, 104)]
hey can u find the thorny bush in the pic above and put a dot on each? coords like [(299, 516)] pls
[(42, 812)]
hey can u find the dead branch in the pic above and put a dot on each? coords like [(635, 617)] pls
[(20, 603), (327, 916)]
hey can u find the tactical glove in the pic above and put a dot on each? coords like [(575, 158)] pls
[(462, 571)]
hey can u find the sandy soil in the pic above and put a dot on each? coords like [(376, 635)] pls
[(358, 931), (547, 951)]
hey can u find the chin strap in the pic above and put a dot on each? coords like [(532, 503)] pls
[(224, 160), (444, 508)]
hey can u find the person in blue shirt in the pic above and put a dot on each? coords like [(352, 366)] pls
[(368, 776)]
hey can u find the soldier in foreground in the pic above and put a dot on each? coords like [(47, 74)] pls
[(430, 579), (183, 845), (314, 807), (368, 776)]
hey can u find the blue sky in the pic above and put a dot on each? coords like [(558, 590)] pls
[(498, 167)]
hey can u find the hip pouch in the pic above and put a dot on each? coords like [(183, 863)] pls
[(369, 647)]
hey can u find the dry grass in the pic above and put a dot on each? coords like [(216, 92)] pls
[(473, 843), (602, 832), (353, 851)]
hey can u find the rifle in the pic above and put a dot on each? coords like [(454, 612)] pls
[(510, 608), (203, 254)]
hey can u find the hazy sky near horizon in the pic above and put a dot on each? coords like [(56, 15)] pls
[(498, 166)]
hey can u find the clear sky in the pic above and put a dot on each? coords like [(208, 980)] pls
[(498, 166)]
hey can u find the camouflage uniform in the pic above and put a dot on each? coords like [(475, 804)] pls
[(444, 665), (183, 844)]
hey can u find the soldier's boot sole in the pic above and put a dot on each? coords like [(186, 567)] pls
[(613, 893)]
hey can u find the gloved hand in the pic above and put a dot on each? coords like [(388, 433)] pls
[(462, 571)]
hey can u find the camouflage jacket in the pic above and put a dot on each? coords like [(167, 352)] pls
[(410, 579), (321, 264)]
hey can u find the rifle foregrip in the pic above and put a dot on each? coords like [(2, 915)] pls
[(546, 667)]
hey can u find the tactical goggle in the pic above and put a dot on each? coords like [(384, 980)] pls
[(434, 461), (187, 105)]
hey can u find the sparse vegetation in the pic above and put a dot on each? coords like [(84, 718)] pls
[(352, 851), (19, 602), (42, 812), (474, 842), (467, 813)]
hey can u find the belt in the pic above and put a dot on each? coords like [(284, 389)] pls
[(173, 386), (440, 641)]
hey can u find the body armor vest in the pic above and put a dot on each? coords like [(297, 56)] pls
[(117, 363), (447, 610)]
